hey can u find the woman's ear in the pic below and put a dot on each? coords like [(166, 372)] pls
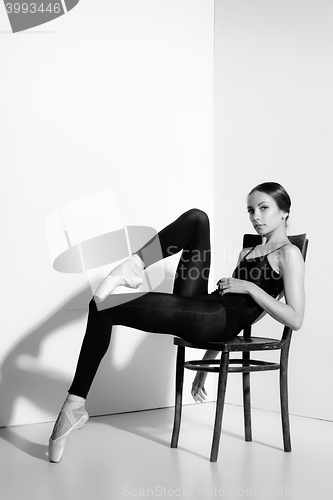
[(285, 217)]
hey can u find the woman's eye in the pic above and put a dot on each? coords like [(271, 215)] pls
[(263, 208)]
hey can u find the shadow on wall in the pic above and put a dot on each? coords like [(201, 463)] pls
[(48, 390)]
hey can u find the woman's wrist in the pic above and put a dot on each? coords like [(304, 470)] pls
[(252, 288)]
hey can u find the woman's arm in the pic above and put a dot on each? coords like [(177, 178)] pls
[(292, 312), (198, 386), (292, 268)]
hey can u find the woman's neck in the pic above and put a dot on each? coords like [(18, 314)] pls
[(279, 236)]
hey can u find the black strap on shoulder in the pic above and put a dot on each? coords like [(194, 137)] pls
[(276, 249)]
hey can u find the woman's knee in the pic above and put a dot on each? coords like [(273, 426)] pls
[(92, 302), (198, 215)]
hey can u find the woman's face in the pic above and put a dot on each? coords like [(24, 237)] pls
[(264, 213)]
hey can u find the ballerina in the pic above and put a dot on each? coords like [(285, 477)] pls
[(190, 312)]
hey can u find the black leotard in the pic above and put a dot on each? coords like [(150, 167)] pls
[(242, 309)]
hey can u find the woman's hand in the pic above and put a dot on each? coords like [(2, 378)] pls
[(198, 387), (234, 285)]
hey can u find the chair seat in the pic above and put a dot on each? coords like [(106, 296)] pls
[(239, 343)]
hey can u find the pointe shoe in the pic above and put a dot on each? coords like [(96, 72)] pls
[(57, 446), (128, 274)]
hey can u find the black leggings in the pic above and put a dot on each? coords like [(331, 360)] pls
[(189, 312)]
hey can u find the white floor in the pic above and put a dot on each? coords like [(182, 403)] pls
[(129, 456)]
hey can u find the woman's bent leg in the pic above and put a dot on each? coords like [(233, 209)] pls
[(150, 312), (191, 234), (153, 311)]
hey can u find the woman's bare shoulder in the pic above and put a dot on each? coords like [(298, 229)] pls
[(290, 254), (290, 250)]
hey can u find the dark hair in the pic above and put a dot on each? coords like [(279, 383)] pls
[(277, 192)]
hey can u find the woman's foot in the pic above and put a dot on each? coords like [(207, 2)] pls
[(73, 416), (129, 273)]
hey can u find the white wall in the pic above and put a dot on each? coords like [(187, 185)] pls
[(115, 94), (274, 116)]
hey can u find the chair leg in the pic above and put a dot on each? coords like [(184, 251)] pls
[(284, 398), (247, 401), (179, 395), (221, 390)]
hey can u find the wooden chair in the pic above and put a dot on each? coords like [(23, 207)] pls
[(244, 344)]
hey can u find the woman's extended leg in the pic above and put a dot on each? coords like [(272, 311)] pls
[(196, 319)]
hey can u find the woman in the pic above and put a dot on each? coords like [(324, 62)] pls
[(190, 312)]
